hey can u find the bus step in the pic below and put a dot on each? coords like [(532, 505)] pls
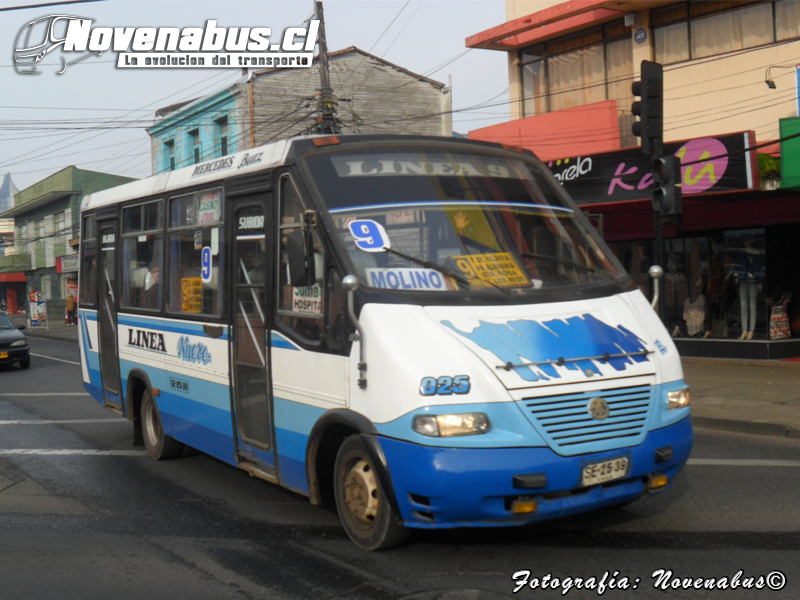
[(256, 471)]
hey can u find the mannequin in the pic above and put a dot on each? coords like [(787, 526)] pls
[(749, 286)]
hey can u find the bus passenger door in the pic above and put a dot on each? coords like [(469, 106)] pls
[(252, 259), (107, 317)]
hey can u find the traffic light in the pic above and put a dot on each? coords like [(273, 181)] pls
[(650, 109), (667, 195)]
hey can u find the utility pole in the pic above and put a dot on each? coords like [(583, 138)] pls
[(327, 107)]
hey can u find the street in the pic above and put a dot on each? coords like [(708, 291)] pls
[(85, 515)]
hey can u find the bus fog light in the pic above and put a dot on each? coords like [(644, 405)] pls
[(451, 425), (679, 399), (523, 506)]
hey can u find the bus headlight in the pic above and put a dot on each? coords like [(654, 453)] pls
[(679, 398), (451, 425)]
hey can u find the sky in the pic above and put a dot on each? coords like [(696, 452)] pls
[(94, 115)]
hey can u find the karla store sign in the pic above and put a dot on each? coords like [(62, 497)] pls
[(721, 164)]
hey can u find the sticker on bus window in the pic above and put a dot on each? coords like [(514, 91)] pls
[(210, 207), (427, 280), (406, 217), (191, 295), (206, 264), (369, 235), (491, 269), (307, 299)]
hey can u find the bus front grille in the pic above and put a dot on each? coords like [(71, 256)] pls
[(564, 421)]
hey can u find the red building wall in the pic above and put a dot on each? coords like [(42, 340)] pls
[(585, 130)]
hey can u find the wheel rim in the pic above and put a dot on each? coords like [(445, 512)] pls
[(361, 492), (152, 426)]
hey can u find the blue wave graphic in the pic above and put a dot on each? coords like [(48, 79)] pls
[(573, 338)]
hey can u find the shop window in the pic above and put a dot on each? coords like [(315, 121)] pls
[(787, 19), (196, 253), (714, 287), (581, 69), (222, 135), (142, 256), (60, 222), (695, 30), (194, 140), (576, 77), (731, 30), (169, 155), (47, 287)]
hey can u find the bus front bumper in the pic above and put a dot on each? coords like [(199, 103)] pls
[(438, 487)]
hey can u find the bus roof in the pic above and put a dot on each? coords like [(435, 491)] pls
[(254, 159)]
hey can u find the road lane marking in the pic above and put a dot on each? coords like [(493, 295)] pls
[(61, 422), (743, 462), (77, 452), (71, 362)]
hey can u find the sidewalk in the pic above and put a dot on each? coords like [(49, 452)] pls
[(750, 396), (59, 330)]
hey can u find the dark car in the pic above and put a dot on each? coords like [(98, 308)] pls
[(13, 345)]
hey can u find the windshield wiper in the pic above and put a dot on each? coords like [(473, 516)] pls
[(431, 265), (567, 261)]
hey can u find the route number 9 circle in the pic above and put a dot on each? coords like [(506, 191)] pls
[(369, 235)]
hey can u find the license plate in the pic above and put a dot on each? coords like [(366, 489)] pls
[(604, 471), (3, 354)]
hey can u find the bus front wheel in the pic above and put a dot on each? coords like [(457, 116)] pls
[(361, 501), (159, 445)]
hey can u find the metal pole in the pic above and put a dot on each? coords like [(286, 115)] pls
[(659, 256), (329, 123)]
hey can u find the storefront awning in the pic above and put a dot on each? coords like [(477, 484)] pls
[(13, 278)]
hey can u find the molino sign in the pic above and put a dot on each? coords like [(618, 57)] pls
[(721, 164)]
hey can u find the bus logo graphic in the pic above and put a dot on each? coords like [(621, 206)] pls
[(598, 408), (149, 340), (196, 353), (580, 340)]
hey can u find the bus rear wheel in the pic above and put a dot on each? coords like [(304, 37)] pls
[(159, 445), (361, 501)]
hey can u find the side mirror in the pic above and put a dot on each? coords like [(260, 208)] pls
[(22, 326), (300, 256)]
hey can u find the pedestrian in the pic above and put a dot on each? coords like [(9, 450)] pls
[(71, 305)]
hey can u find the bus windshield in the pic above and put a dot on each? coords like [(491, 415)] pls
[(448, 221)]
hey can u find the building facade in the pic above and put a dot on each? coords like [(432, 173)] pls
[(44, 256), (730, 78), (372, 96)]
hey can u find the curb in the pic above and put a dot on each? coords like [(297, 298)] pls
[(756, 427), (52, 335)]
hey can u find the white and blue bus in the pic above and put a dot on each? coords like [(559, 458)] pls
[(426, 332)]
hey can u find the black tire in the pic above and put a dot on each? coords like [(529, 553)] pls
[(364, 509), (25, 362), (159, 445)]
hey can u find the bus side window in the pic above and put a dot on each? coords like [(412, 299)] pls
[(88, 273), (299, 308), (142, 243)]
